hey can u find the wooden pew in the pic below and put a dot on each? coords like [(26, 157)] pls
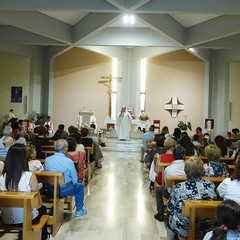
[(171, 181), (225, 160), (47, 148), (55, 178), (88, 168), (198, 209), (26, 200)]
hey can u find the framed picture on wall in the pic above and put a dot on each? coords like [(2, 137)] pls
[(209, 124), (16, 94)]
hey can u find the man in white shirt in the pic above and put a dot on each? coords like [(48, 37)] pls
[(175, 169), (11, 115)]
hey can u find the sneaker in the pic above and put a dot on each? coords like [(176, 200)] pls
[(99, 165), (80, 213), (159, 217)]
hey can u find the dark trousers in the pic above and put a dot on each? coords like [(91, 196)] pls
[(41, 211), (161, 192)]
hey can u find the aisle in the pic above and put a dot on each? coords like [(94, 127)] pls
[(118, 201)]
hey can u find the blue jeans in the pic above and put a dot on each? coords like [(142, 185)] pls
[(76, 190)]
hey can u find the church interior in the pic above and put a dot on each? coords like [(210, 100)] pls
[(70, 56)]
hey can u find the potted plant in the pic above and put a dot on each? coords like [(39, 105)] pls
[(184, 125)]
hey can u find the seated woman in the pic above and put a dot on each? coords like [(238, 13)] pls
[(34, 165), (88, 142), (169, 145), (193, 188), (73, 132), (220, 142), (214, 168), (75, 155), (160, 150), (229, 187), (228, 215), (16, 177), (40, 140), (186, 142)]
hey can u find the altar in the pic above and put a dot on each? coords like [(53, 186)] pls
[(111, 123)]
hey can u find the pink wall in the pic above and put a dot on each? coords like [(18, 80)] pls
[(177, 74), (76, 77)]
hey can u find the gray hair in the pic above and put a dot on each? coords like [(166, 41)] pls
[(60, 145), (7, 131), (7, 139), (91, 131)]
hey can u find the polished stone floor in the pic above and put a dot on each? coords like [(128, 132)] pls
[(119, 204)]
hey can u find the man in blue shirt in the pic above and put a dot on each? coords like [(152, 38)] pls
[(146, 136), (71, 187), (7, 143)]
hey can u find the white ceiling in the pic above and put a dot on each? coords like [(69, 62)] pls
[(206, 24)]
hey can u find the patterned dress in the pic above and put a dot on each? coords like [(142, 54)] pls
[(195, 189), (215, 169), (231, 235)]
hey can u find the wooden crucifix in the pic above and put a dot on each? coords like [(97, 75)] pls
[(108, 81)]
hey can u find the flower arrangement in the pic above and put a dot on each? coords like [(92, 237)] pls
[(143, 117), (184, 125)]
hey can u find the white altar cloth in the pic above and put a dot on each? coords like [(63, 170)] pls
[(135, 123)]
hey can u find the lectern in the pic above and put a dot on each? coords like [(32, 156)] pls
[(85, 117)]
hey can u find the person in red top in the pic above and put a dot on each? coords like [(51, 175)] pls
[(169, 145), (75, 155)]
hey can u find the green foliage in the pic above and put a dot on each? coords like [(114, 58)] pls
[(39, 119), (184, 126)]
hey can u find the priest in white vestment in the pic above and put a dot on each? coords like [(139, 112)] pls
[(124, 124)]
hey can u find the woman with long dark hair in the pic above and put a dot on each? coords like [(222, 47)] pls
[(228, 215), (17, 178)]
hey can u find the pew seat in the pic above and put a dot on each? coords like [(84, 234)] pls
[(198, 209), (26, 200)]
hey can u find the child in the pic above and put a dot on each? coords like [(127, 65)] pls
[(228, 214), (34, 165)]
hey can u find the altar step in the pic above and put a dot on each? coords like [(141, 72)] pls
[(115, 145), (133, 135)]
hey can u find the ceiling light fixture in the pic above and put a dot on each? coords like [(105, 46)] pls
[(129, 19)]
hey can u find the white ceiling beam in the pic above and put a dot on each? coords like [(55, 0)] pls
[(214, 29), (165, 24), (91, 24), (190, 6), (38, 23), (232, 42), (128, 37), (10, 35), (36, 5)]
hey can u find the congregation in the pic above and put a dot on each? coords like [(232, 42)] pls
[(23, 150), (193, 157), (178, 154)]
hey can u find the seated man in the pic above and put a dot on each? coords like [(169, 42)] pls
[(146, 136), (175, 169), (87, 141), (59, 133), (7, 143), (71, 187), (7, 131)]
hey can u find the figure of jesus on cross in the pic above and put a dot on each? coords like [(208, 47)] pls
[(109, 81)]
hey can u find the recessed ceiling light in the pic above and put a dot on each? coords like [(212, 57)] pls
[(128, 19)]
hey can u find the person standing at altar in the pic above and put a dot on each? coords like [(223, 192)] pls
[(124, 124), (142, 117), (50, 124)]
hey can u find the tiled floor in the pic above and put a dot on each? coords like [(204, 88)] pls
[(118, 201)]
